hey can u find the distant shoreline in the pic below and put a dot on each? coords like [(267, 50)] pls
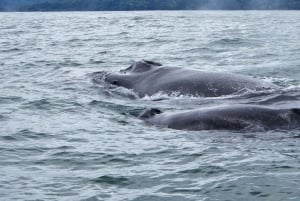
[(208, 10), (145, 5)]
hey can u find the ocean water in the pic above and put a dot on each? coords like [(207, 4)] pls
[(62, 137)]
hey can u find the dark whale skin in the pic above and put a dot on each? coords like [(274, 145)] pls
[(148, 78), (233, 117)]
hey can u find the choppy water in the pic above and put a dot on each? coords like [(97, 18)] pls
[(64, 138)]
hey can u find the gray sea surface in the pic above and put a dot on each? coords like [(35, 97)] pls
[(62, 137)]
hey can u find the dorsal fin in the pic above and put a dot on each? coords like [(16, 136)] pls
[(152, 63), (150, 113)]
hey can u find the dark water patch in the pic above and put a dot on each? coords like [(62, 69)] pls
[(85, 160), (93, 61), (8, 138), (102, 18), (74, 40), (63, 163), (53, 106), (228, 41), (199, 50), (9, 27), (161, 198), (96, 160), (160, 41), (205, 170), (70, 89), (123, 33), (188, 40), (138, 18), (186, 190), (42, 104), (11, 50), (122, 122), (97, 198), (15, 152), (104, 52), (282, 167), (90, 40), (29, 65), (258, 194), (3, 118), (71, 107), (81, 140), (149, 154), (69, 64), (112, 180), (293, 153), (54, 44), (140, 181), (264, 195), (116, 158), (262, 56), (26, 134), (296, 136), (35, 26), (255, 192)]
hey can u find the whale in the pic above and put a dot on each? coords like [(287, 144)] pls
[(228, 117), (147, 78)]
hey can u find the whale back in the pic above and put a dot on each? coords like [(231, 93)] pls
[(236, 117)]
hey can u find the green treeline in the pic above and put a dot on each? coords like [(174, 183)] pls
[(110, 5)]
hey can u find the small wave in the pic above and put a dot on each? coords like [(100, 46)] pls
[(93, 61), (9, 27), (292, 88), (11, 50), (69, 63), (2, 117), (206, 170), (103, 52), (138, 18), (112, 180), (74, 40), (109, 105), (121, 109), (42, 104), (228, 41), (283, 82), (26, 134), (52, 105), (123, 33), (10, 99), (198, 49)]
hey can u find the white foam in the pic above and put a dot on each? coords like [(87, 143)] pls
[(173, 95)]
